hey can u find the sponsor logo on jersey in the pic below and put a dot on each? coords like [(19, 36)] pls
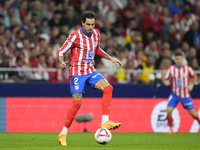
[(88, 60), (94, 76)]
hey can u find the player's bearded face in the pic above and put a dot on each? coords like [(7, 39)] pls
[(88, 25), (178, 61)]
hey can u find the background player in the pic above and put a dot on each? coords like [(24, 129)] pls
[(179, 75), (84, 44)]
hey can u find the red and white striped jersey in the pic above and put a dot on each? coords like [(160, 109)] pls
[(180, 78), (83, 48)]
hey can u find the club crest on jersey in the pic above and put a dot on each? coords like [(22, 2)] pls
[(90, 54), (76, 87), (179, 81)]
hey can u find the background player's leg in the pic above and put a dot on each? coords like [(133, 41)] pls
[(169, 117), (194, 114), (107, 89)]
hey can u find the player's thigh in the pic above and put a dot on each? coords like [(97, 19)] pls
[(172, 100), (169, 110), (101, 84), (193, 112), (77, 96), (187, 103), (77, 84), (97, 81)]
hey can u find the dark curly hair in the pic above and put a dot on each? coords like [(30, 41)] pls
[(87, 14)]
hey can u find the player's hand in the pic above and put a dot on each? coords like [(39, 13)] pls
[(117, 62), (190, 87), (166, 82), (63, 65)]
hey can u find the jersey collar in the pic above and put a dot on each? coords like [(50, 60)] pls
[(85, 33), (180, 67)]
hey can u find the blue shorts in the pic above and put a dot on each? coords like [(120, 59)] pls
[(186, 102), (77, 83)]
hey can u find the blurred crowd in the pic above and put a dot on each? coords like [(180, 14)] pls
[(142, 34)]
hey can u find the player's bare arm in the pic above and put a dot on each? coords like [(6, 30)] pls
[(190, 87), (116, 61), (166, 82), (62, 63)]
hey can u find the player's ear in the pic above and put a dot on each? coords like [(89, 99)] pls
[(82, 22)]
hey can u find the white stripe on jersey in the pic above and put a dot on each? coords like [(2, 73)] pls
[(182, 78), (186, 81), (85, 64), (99, 40), (191, 71), (94, 43), (96, 34), (81, 53), (74, 63), (68, 45), (88, 50), (176, 76), (167, 75), (173, 83)]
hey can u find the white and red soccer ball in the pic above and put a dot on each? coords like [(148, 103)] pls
[(103, 136)]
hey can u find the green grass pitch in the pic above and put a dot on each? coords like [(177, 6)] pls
[(86, 141)]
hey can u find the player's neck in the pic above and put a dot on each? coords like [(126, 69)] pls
[(179, 66), (85, 32)]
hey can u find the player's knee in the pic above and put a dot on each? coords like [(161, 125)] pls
[(193, 113), (77, 104), (108, 89), (169, 112)]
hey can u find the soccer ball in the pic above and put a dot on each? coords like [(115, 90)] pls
[(103, 136)]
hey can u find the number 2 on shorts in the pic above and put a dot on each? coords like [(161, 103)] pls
[(75, 80)]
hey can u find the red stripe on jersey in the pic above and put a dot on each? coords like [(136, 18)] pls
[(73, 58), (174, 80), (179, 78), (84, 53), (188, 77), (184, 89)]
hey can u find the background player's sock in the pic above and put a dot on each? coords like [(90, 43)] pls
[(106, 103), (197, 118), (169, 119), (105, 118), (72, 112), (64, 130)]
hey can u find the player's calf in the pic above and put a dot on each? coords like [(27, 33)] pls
[(72, 112)]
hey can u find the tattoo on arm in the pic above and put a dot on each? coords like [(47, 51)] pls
[(107, 56), (60, 59)]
